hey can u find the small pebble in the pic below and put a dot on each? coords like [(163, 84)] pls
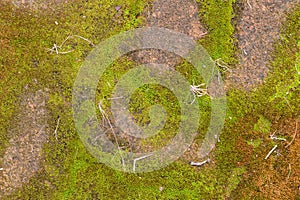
[(1, 169), (118, 8), (56, 22)]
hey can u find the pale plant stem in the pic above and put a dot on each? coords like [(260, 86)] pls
[(105, 116)]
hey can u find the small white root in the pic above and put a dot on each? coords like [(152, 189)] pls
[(56, 128), (137, 159), (198, 164), (106, 118), (221, 64), (198, 91), (270, 152), (55, 48), (274, 137), (249, 4)]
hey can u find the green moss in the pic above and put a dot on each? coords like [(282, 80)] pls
[(217, 16), (283, 83), (263, 125), (69, 171), (254, 143), (273, 102)]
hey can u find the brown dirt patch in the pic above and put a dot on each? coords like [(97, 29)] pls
[(258, 28), (178, 15), (282, 173), (21, 159), (277, 177)]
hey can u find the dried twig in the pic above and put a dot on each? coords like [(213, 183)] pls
[(290, 171), (137, 159), (249, 4), (78, 36), (55, 48), (270, 152), (197, 91), (115, 98), (203, 34), (198, 164), (56, 128), (293, 136), (105, 117), (274, 137), (288, 103), (221, 64)]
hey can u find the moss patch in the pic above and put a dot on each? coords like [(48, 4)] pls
[(70, 172), (217, 16)]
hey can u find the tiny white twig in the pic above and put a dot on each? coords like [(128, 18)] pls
[(274, 137), (222, 65), (288, 103), (198, 164), (55, 47), (105, 116), (115, 98), (78, 36), (203, 34), (270, 152), (137, 159), (198, 91), (249, 4), (56, 128)]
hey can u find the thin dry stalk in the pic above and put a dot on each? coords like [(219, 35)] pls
[(105, 117), (55, 48), (249, 4), (270, 152), (203, 34), (198, 91), (198, 164), (137, 159), (78, 36), (295, 134), (221, 64), (274, 137), (56, 128), (115, 98)]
